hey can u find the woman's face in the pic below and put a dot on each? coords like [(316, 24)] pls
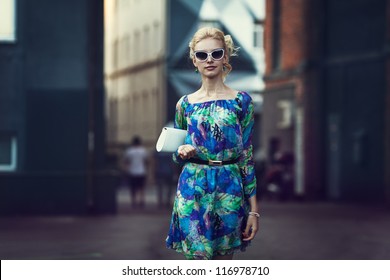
[(212, 66)]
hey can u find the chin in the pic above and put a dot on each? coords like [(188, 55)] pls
[(212, 75)]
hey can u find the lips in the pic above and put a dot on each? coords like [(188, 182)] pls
[(210, 68)]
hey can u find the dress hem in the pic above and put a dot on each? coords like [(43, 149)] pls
[(238, 249)]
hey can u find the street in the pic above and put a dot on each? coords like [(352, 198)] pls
[(292, 230)]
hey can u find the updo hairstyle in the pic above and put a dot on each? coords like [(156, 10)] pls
[(215, 33)]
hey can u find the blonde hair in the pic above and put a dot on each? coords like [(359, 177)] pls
[(215, 33)]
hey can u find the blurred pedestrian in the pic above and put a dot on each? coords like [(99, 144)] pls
[(215, 212), (279, 178), (136, 160)]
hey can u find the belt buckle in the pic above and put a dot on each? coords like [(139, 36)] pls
[(215, 162)]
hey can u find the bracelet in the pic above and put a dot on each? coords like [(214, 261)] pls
[(257, 215)]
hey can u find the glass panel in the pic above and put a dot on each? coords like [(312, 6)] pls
[(258, 36)]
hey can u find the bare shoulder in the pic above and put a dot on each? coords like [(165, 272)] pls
[(194, 97), (232, 93)]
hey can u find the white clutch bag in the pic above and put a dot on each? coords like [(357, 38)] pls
[(170, 139)]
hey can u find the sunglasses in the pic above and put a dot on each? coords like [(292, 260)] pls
[(215, 54)]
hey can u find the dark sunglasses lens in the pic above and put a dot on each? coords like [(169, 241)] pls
[(217, 54), (201, 55)]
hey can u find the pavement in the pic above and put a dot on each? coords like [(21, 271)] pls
[(288, 231)]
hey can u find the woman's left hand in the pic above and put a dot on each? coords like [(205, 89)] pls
[(252, 226)]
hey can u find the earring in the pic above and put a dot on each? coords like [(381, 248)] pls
[(196, 70), (224, 68)]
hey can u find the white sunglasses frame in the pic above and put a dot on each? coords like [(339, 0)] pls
[(209, 54)]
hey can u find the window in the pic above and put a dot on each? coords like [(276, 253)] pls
[(286, 110), (115, 54), (127, 49), (7, 20), (146, 46), (258, 32), (276, 50), (156, 38), (136, 46), (8, 153)]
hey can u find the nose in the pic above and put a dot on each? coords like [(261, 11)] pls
[(209, 58)]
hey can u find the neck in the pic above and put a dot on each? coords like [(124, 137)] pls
[(212, 87)]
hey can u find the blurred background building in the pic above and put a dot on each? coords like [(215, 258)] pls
[(135, 71), (52, 140), (327, 97)]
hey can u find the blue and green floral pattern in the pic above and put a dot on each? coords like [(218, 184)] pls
[(211, 204)]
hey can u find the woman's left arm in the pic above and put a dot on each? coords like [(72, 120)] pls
[(247, 165), (252, 224)]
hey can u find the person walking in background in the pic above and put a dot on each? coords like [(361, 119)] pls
[(215, 212), (136, 159)]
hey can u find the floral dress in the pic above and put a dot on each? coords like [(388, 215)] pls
[(211, 203)]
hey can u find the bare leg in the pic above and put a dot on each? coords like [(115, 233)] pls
[(138, 197)]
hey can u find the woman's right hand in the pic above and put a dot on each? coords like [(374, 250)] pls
[(186, 151)]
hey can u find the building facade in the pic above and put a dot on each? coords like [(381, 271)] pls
[(51, 107), (327, 95), (135, 65)]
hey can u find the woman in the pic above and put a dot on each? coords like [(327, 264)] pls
[(215, 212)]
